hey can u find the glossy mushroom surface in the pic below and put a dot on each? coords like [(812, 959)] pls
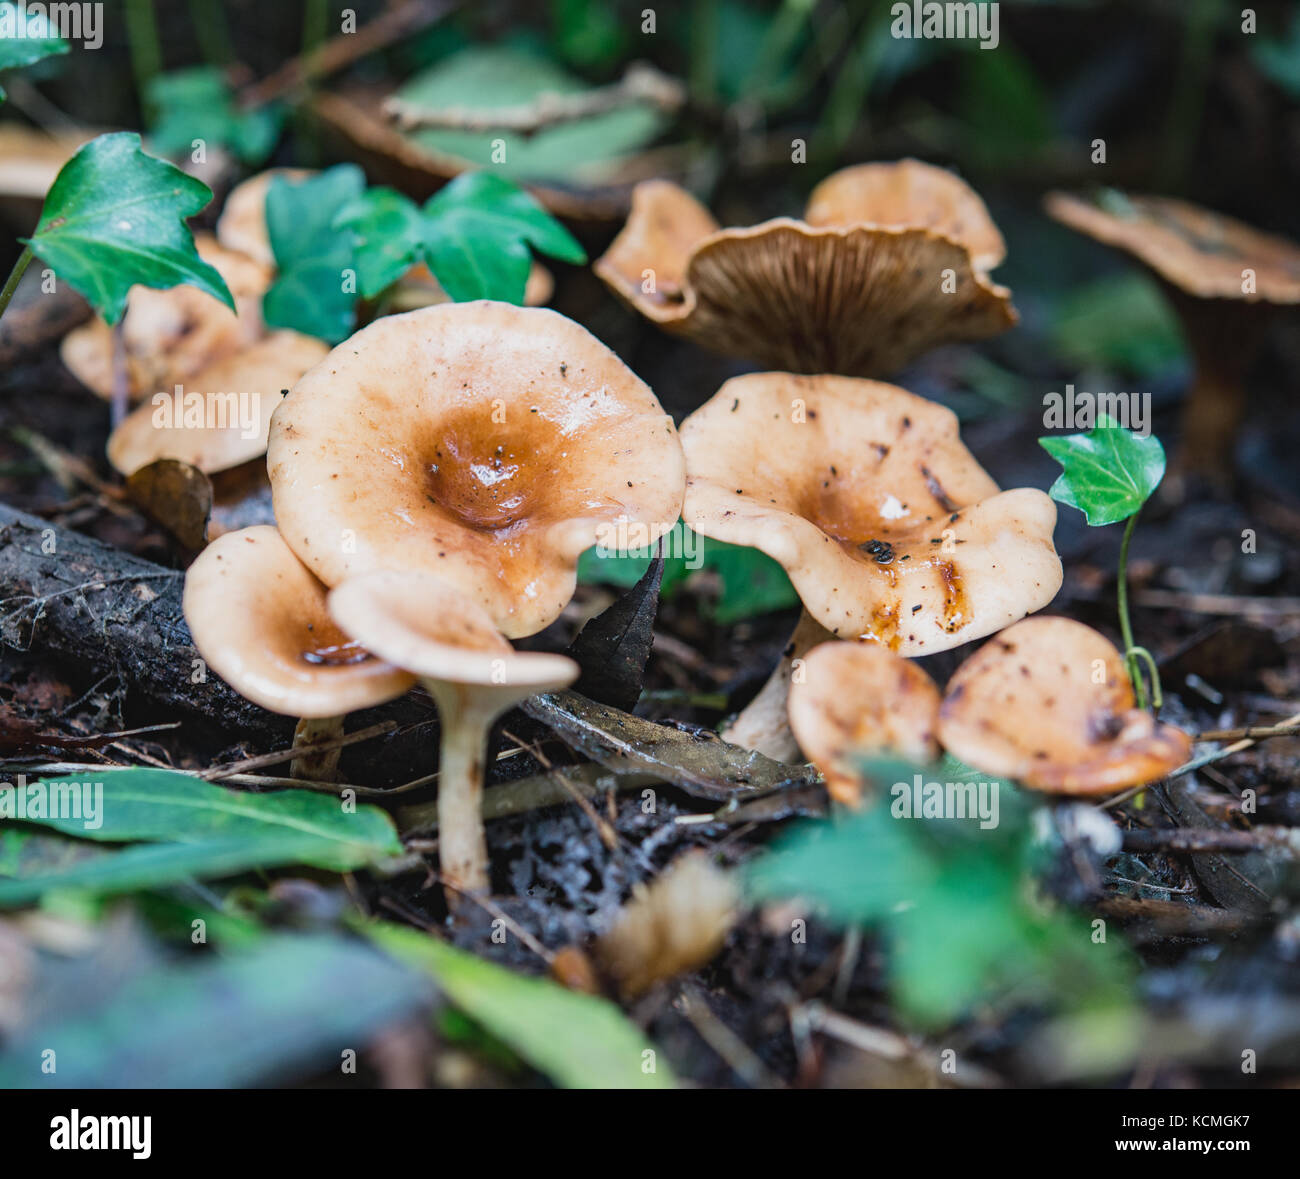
[(486, 444)]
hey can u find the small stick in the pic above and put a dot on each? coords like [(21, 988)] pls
[(1234, 604), (1254, 732), (490, 906), (260, 761)]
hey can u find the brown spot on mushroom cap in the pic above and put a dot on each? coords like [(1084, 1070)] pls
[(851, 298), (909, 193), (819, 490), (170, 335), (427, 626), (1199, 252), (1025, 706), (859, 698), (447, 440), (259, 619), (248, 381)]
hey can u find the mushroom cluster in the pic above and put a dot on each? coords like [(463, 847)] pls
[(890, 531), (434, 482), (889, 261), (1046, 703)]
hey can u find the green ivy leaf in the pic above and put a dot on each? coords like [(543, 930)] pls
[(115, 217), (25, 37), (577, 1040), (477, 232), (199, 104), (310, 293), (389, 236), (1107, 473)]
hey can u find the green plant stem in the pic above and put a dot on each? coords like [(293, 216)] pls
[(11, 283), (1125, 626)]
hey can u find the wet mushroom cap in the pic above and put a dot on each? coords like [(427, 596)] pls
[(861, 698), (1048, 703), (860, 299), (219, 417), (1199, 252), (171, 334), (909, 193), (260, 621), (887, 526), (430, 628), (487, 444)]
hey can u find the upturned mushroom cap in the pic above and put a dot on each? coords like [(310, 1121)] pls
[(860, 698), (889, 529), (1199, 252), (242, 224), (259, 619), (169, 335), (1048, 703), (219, 417), (430, 628), (484, 443), (858, 298), (909, 193)]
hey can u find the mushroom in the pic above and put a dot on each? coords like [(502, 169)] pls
[(219, 418), (170, 335), (1221, 277), (487, 444), (890, 262), (259, 620), (1049, 703), (419, 288), (861, 698), (427, 627), (889, 529)]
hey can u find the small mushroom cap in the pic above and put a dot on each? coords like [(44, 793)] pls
[(220, 417), (887, 526), (259, 619), (169, 335), (242, 224), (862, 299), (861, 698), (1028, 705), (487, 444), (909, 193), (430, 628), (1200, 252)]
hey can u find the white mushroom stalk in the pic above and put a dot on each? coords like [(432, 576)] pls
[(432, 630), (259, 620)]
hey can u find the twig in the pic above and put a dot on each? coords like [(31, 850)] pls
[(1232, 604), (490, 906), (735, 1053), (641, 83), (1254, 732), (608, 836), (215, 773)]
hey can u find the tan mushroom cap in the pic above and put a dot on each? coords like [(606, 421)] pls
[(219, 417), (889, 529), (1027, 705), (860, 698), (1200, 252), (909, 193), (484, 443), (428, 627), (169, 335), (861, 299), (259, 619), (419, 288), (242, 224)]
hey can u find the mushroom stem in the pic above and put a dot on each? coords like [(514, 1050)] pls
[(764, 724), (465, 716), (322, 766)]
